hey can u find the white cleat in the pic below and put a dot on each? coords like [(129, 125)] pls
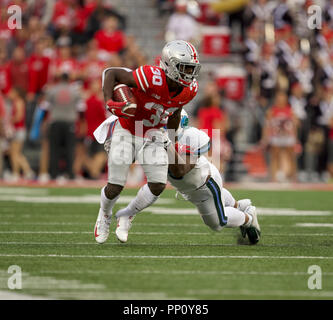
[(243, 204), (123, 226), (252, 210), (102, 227), (253, 231)]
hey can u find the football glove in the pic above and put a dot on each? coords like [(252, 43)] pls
[(119, 108)]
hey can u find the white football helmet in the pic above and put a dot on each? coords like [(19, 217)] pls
[(180, 62)]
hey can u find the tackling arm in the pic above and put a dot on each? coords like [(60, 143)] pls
[(173, 124), (178, 165), (174, 120)]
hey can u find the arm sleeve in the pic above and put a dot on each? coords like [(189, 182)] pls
[(142, 76), (105, 70)]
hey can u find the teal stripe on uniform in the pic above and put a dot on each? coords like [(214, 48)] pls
[(215, 190)]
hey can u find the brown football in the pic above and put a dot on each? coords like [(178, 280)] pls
[(122, 92)]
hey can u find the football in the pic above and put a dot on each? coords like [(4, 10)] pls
[(122, 92)]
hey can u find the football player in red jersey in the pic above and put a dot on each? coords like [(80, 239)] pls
[(160, 94)]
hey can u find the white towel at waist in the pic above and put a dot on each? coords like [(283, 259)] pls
[(101, 133)]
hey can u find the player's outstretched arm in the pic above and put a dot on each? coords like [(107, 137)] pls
[(173, 124), (112, 76), (179, 165), (174, 120)]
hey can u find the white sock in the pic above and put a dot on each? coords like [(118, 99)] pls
[(107, 204), (143, 199), (229, 200), (236, 218)]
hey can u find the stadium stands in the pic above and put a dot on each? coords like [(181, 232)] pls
[(249, 49)]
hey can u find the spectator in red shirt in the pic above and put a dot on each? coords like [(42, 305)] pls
[(212, 116), (18, 70), (110, 39), (4, 74), (38, 70), (84, 13), (91, 67), (95, 159), (65, 63), (63, 8)]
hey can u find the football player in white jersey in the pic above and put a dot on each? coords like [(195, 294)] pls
[(200, 182)]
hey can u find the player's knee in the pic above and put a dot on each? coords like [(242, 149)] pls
[(112, 190), (156, 188)]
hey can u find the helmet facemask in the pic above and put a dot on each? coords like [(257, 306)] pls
[(184, 72)]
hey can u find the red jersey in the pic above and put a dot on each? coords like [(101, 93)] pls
[(94, 114), (18, 74), (111, 42), (207, 116), (154, 102), (38, 72)]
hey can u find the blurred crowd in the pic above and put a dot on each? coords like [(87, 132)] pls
[(290, 80), (50, 83), (289, 83)]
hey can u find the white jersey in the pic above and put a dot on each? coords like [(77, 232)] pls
[(203, 184), (194, 179), (198, 141)]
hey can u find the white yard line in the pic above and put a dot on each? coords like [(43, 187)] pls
[(91, 232), (148, 244), (260, 211), (291, 212), (251, 293), (112, 295), (23, 191), (81, 199), (146, 224), (320, 225), (160, 257), (13, 295), (186, 272), (208, 233)]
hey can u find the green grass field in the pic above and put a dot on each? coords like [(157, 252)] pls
[(48, 233)]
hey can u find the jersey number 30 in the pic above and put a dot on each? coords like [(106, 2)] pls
[(157, 78)]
